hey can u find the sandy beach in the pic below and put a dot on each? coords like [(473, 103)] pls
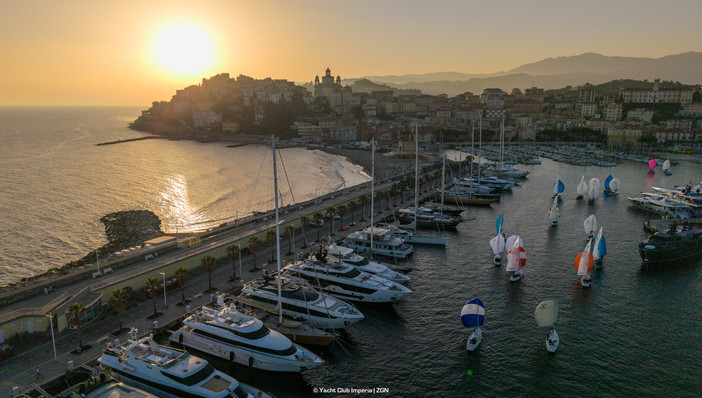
[(384, 165)]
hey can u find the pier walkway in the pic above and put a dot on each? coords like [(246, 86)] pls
[(19, 371)]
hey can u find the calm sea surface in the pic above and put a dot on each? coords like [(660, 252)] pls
[(630, 334), (56, 183)]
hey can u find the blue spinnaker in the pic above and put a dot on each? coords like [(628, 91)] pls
[(473, 313), (602, 247)]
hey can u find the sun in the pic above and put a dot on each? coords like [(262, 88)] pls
[(184, 50)]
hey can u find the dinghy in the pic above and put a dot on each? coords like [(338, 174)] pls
[(581, 188), (554, 213), (583, 264), (546, 314), (497, 243), (666, 167), (590, 225), (599, 250), (516, 258), (611, 186), (558, 186), (473, 316), (593, 191)]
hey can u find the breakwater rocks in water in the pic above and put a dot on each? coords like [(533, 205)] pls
[(124, 229)]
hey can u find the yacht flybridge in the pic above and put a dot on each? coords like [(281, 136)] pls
[(384, 243), (299, 302), (169, 372), (230, 334), (346, 255), (345, 281)]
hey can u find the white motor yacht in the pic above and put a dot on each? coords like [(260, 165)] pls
[(414, 238), (299, 302), (346, 255), (345, 281), (230, 334), (384, 243), (169, 372)]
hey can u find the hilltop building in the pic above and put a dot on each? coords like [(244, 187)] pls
[(657, 95), (338, 97)]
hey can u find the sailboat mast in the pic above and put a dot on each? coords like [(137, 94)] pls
[(443, 181), (372, 194), (277, 231), (416, 172), (480, 144), (472, 146)]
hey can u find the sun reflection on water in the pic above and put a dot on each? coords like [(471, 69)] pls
[(177, 213)]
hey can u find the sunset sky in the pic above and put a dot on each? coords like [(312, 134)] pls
[(80, 52)]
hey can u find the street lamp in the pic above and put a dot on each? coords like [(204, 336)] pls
[(165, 303), (51, 326)]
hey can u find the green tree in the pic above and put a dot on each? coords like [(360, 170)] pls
[(352, 207), (74, 314), (271, 239), (304, 222), (331, 210), (289, 231), (254, 245), (208, 264), (118, 300), (153, 288), (341, 209), (233, 252), (317, 218), (182, 275), (364, 199)]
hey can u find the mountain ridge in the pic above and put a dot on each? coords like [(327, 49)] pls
[(551, 73)]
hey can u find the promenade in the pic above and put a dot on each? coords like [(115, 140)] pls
[(19, 371)]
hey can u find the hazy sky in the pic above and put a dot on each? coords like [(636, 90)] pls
[(92, 52)]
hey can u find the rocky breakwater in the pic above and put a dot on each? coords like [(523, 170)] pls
[(124, 229)]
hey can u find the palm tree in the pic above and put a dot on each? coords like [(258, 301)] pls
[(233, 252), (270, 238), (182, 275), (208, 264), (152, 288), (290, 230), (352, 207), (364, 200), (254, 245), (75, 318), (317, 218), (304, 221), (331, 210), (118, 301), (341, 208)]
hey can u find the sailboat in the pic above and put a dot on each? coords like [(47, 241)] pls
[(546, 314), (611, 186), (666, 167), (583, 264), (599, 250), (296, 331), (590, 225), (554, 213), (516, 258), (473, 316), (497, 243), (593, 191), (652, 166), (581, 188), (558, 186)]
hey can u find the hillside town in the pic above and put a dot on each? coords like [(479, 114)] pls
[(620, 113)]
